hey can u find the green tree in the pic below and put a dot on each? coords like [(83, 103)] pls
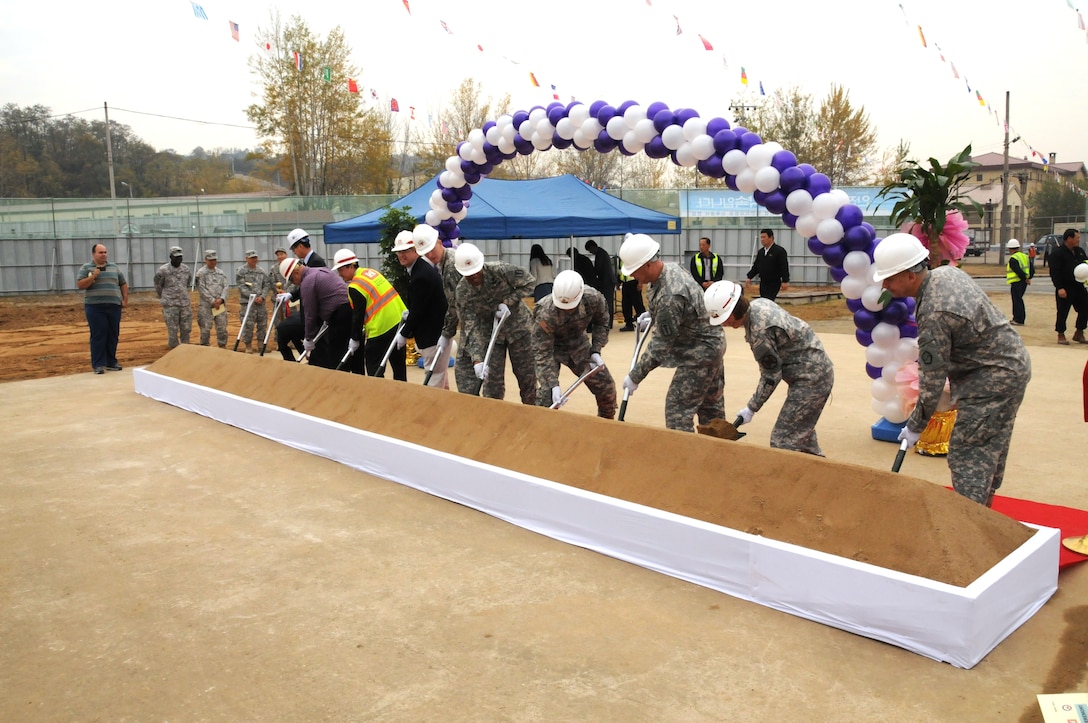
[(1055, 202), (467, 109), (844, 140), (393, 222), (787, 118)]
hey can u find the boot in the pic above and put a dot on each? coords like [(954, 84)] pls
[(1078, 336), (1062, 339)]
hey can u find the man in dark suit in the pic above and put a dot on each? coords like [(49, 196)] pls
[(425, 299), (606, 277), (772, 266), (706, 267), (291, 330), (583, 266)]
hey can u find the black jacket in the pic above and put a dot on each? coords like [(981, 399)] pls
[(426, 305), (1062, 262), (771, 265)]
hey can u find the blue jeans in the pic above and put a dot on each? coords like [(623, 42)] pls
[(104, 321)]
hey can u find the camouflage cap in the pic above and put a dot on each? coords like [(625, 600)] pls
[(175, 251), (210, 254), (251, 254), (280, 250)]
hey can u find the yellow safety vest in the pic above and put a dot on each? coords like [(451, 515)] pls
[(384, 306), (713, 265), (1021, 258)]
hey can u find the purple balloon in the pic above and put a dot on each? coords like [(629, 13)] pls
[(869, 227), (789, 219), (856, 238), (488, 126), (716, 124), (561, 143), (683, 115), (724, 141), (556, 113), (664, 119), (656, 148), (459, 147), (816, 246), (655, 108), (523, 146), (909, 330), (511, 154), (849, 216), (739, 130), (455, 206), (486, 168), (554, 104), (449, 194), (468, 167), (865, 319), (911, 303), (455, 233), (818, 183), (731, 181), (464, 193), (748, 140), (783, 159), (833, 255), (873, 372), (711, 167), (605, 114), (620, 147), (760, 197), (673, 158), (569, 106), (895, 312), (604, 142), (491, 151), (791, 179), (775, 203), (520, 116), (446, 225), (854, 304), (595, 107), (807, 168), (837, 273), (864, 338), (622, 107)]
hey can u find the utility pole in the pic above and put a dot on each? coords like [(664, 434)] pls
[(740, 108), (1004, 191), (109, 165)]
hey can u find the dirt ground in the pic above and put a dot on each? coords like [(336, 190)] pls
[(45, 335)]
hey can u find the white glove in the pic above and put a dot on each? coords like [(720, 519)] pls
[(284, 298), (443, 343), (910, 437), (746, 415), (400, 340), (308, 344), (643, 321), (595, 360), (557, 394), (629, 385), (404, 316), (353, 345), (481, 371), (503, 311)]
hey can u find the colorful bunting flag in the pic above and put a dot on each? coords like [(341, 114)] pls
[(480, 48), (706, 43), (326, 74), (1080, 21), (298, 60), (353, 87), (743, 77), (445, 128), (268, 47), (555, 95), (922, 36), (374, 93), (445, 27), (532, 79), (393, 104), (980, 100), (411, 112), (406, 7), (678, 30), (234, 31), (761, 88), (955, 73), (198, 11)]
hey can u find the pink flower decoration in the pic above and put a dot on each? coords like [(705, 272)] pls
[(952, 243)]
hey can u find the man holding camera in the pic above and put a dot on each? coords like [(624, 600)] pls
[(107, 294)]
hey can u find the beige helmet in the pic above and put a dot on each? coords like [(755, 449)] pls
[(897, 253), (636, 250), (287, 267), (720, 299), (344, 257), (426, 237), (568, 289), (468, 259), (404, 241)]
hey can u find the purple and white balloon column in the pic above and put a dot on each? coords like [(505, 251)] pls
[(798, 193)]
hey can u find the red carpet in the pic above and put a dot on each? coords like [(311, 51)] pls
[(1072, 523)]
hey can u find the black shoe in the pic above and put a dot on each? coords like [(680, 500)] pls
[(627, 328), (114, 367), (99, 370)]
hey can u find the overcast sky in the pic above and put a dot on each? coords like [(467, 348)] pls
[(154, 62)]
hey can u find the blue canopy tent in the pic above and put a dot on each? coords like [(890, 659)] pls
[(543, 208)]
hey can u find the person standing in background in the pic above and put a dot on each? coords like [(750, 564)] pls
[(172, 288), (1068, 292), (106, 295), (540, 266), (252, 280), (1018, 274), (606, 277), (211, 308), (706, 267), (771, 265)]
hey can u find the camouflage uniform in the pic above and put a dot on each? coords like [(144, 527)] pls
[(787, 350), (963, 336), (462, 368), (253, 281), (476, 307), (559, 337), (212, 285), (683, 337), (172, 288)]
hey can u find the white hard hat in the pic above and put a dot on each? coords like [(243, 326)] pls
[(568, 289), (295, 236), (344, 257), (636, 250), (720, 299), (896, 253), (1080, 272), (404, 241), (1012, 244), (287, 266), (426, 236), (468, 259)]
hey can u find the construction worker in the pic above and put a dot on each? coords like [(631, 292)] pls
[(291, 330), (425, 298), (324, 301), (252, 281), (211, 309), (706, 266), (786, 349), (682, 337), (964, 338), (376, 313), (172, 288), (486, 293), (559, 337), (1018, 273), (446, 265)]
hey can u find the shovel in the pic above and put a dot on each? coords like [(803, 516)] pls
[(900, 456), (577, 382), (388, 353), (434, 363), (639, 341), (268, 332), (736, 427), (320, 333), (491, 345), (249, 307)]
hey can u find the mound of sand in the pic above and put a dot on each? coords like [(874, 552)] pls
[(894, 521)]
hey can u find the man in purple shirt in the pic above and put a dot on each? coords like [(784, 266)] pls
[(324, 298)]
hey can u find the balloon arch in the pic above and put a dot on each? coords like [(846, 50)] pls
[(803, 197)]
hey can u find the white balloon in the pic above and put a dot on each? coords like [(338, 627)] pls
[(806, 225), (478, 156), (907, 350), (767, 179), (526, 129), (870, 299), (877, 405), (536, 114), (799, 202), (578, 114), (1080, 272), (633, 115), (734, 161), (493, 134), (829, 231), (509, 131), (476, 138), (465, 151), (453, 164), (856, 263), (889, 370), (694, 127), (672, 137), (895, 411), (746, 180), (632, 143), (826, 205), (684, 156), (759, 156), (616, 127), (545, 128), (506, 145), (702, 147), (460, 215), (645, 130), (885, 335), (842, 196), (581, 141), (432, 219), (436, 199), (852, 288), (773, 147), (880, 389), (591, 128), (542, 142), (504, 120), (876, 355), (452, 180), (565, 129)]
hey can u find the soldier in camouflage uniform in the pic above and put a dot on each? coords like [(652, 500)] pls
[(172, 288), (443, 260), (682, 337), (212, 285), (559, 337), (963, 337), (485, 291), (278, 284), (786, 349), (253, 280)]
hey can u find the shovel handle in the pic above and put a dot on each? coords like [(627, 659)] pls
[(900, 456)]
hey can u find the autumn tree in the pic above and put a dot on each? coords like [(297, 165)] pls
[(1054, 203), (887, 170), (467, 109), (844, 140), (787, 118)]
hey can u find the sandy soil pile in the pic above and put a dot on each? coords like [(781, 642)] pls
[(885, 519)]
